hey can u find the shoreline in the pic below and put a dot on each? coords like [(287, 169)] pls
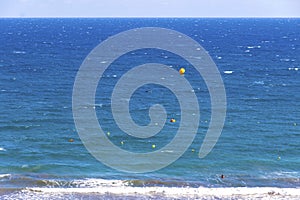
[(169, 192)]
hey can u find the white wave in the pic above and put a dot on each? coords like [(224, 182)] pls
[(283, 174), (259, 82), (98, 105), (228, 72), (293, 68), (96, 183), (2, 149), (4, 176), (181, 192), (285, 59), (254, 47), (167, 151), (19, 52)]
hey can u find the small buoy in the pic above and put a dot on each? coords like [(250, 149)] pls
[(108, 133), (153, 146), (71, 140), (122, 142), (279, 158), (193, 150), (172, 120), (181, 71)]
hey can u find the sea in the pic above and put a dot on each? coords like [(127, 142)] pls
[(256, 156)]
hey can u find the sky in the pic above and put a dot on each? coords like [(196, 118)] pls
[(149, 8)]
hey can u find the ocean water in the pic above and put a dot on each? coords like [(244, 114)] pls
[(258, 150)]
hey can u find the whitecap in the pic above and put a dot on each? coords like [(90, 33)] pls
[(99, 105), (293, 68), (19, 52), (5, 175), (2, 149), (167, 151), (285, 59), (284, 174), (228, 72), (198, 57), (95, 183), (259, 82), (254, 47), (177, 192)]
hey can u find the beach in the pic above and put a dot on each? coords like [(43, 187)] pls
[(43, 154)]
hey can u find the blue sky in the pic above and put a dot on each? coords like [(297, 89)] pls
[(149, 8)]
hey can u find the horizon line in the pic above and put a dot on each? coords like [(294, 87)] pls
[(196, 17)]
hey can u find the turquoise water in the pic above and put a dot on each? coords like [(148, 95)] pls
[(258, 60)]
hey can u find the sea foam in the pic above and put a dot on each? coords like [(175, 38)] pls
[(179, 192)]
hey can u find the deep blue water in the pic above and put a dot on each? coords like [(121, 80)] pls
[(259, 145)]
